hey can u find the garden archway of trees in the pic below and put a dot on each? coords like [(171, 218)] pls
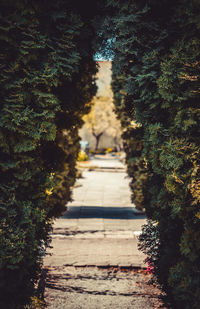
[(47, 83)]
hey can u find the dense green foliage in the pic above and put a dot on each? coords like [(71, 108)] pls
[(157, 95), (46, 84)]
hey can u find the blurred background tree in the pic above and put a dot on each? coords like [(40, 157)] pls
[(102, 122), (102, 119)]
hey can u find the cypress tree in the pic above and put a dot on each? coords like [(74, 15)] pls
[(156, 91), (47, 81)]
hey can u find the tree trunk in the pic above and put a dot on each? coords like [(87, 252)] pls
[(97, 136)]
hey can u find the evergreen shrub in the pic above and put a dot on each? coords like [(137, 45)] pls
[(46, 84), (156, 88)]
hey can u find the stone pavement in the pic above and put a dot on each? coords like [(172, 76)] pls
[(94, 261), (100, 288), (100, 226), (104, 162)]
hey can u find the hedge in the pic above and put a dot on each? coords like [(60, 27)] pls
[(157, 95), (46, 84)]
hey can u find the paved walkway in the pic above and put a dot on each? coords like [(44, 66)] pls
[(104, 162), (100, 288), (94, 261), (100, 226)]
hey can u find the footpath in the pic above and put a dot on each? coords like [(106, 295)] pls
[(94, 262)]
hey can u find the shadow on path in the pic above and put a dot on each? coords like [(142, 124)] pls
[(87, 212)]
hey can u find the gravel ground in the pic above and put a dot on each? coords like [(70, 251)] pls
[(99, 288)]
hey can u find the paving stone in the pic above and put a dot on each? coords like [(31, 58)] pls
[(99, 229)]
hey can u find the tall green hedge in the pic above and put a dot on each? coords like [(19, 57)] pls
[(157, 95), (46, 84)]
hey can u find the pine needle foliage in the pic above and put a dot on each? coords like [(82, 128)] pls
[(157, 96), (46, 84)]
